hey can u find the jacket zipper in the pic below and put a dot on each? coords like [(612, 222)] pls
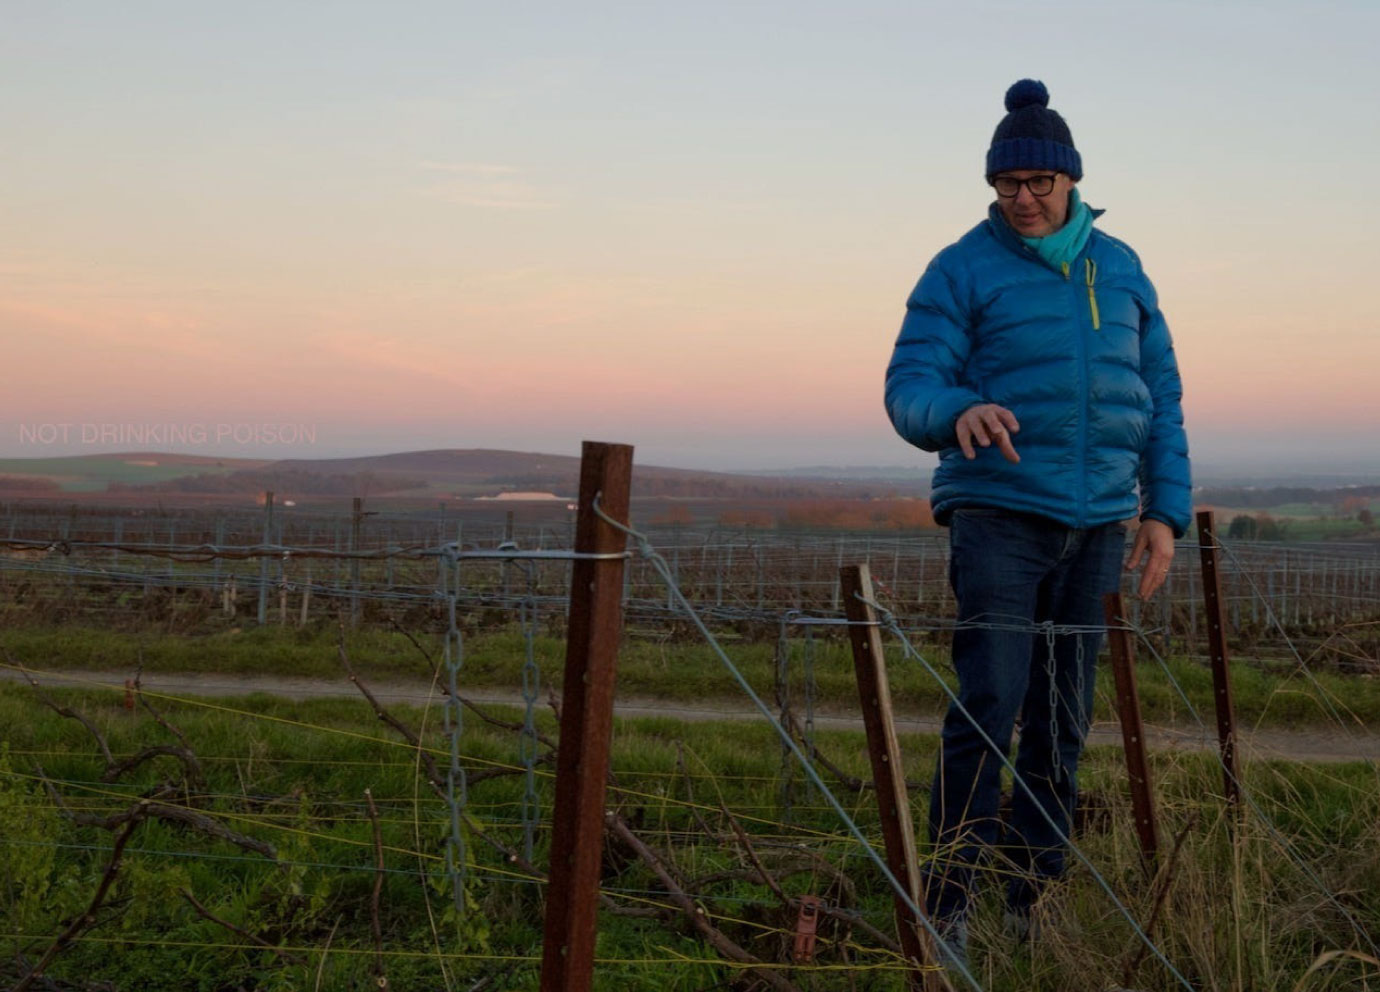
[(1090, 271), (1084, 385), (1091, 268)]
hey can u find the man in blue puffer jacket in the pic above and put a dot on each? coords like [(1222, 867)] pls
[(1034, 358)]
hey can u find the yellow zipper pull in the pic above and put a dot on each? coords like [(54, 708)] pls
[(1066, 269), (1091, 268)]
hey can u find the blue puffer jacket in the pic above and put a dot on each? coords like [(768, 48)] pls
[(1084, 361)]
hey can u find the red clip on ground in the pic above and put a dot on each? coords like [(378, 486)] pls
[(806, 923)]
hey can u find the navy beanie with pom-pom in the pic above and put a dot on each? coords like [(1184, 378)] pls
[(1031, 136)]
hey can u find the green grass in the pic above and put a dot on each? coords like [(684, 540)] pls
[(1326, 529), (1241, 913), (689, 671)]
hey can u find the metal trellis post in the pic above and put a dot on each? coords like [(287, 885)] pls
[(888, 773)]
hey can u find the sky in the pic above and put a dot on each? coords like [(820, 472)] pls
[(310, 229)]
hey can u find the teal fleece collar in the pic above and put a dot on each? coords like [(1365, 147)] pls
[(1063, 246)]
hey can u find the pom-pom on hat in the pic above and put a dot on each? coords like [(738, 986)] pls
[(1031, 136)]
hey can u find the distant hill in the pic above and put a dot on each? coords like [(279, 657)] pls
[(488, 472), (436, 474)]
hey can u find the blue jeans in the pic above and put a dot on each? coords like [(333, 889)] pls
[(1013, 574)]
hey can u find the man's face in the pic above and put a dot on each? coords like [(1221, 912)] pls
[(1029, 215)]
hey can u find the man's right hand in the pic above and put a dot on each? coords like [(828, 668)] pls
[(984, 424)]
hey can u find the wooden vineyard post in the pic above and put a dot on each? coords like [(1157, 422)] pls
[(888, 774), (582, 759), (1217, 647), (306, 598), (1132, 730), (508, 542)]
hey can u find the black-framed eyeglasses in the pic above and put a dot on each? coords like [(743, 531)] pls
[(1009, 186)]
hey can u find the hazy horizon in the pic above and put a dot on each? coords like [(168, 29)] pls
[(1243, 463)]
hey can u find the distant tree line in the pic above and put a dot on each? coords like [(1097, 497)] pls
[(816, 514), (28, 484), (295, 481), (860, 514), (1252, 498), (1260, 527), (693, 486)]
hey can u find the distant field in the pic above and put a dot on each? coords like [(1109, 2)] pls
[(1293, 510), (92, 473), (1307, 521)]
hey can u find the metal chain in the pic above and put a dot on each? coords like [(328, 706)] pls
[(1081, 677), (527, 740), (1050, 671), (453, 657)]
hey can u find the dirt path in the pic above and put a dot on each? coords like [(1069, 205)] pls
[(1318, 745)]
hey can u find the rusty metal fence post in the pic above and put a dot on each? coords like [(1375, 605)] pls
[(1132, 730), (1217, 646), (582, 760)]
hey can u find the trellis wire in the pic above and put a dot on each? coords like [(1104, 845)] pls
[(889, 625), (649, 553), (528, 606)]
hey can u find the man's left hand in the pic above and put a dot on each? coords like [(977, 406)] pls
[(1152, 552)]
